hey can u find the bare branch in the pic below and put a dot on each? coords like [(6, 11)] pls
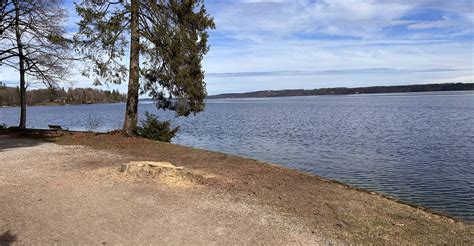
[(39, 24)]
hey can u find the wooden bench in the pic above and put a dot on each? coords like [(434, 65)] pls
[(56, 127)]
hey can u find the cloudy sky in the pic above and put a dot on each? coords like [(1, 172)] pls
[(260, 45)]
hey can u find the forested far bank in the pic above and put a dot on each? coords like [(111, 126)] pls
[(348, 91), (9, 96)]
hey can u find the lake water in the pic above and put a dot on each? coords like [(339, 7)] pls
[(418, 147)]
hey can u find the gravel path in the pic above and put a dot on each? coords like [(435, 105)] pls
[(52, 193)]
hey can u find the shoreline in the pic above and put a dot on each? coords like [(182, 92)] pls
[(147, 100), (47, 133), (325, 179), (346, 213), (58, 104), (42, 133), (444, 87), (413, 93)]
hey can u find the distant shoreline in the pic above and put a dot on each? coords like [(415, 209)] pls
[(72, 104), (59, 96), (348, 91), (58, 104)]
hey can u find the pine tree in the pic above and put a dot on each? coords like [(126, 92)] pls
[(168, 36)]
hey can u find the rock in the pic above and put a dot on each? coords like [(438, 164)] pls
[(123, 168)]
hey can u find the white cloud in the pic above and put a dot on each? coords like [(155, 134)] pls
[(430, 24), (304, 64), (356, 18), (311, 55), (260, 21)]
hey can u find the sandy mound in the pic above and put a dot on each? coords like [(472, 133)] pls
[(148, 171)]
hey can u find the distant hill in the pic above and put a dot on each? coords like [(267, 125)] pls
[(347, 91)]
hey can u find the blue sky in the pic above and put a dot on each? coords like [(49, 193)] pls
[(264, 44)]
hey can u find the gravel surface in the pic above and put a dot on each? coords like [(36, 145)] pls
[(53, 193), (69, 190)]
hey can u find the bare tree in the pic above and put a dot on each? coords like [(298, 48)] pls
[(32, 42), (5, 20)]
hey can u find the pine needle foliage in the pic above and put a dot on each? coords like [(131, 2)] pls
[(166, 39)]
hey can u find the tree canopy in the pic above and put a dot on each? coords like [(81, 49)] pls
[(167, 40), (58, 96)]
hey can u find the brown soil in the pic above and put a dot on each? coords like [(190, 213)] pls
[(296, 207)]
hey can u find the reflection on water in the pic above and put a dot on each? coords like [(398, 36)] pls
[(417, 147)]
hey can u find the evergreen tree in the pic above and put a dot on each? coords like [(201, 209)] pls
[(168, 36)]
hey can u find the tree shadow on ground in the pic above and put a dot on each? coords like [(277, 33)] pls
[(13, 143), (7, 238), (12, 139)]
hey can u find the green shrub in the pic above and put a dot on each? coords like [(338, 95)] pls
[(154, 129)]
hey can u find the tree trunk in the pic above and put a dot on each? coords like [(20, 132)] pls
[(22, 124), (131, 115)]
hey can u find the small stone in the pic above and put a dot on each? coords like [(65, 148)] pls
[(123, 168)]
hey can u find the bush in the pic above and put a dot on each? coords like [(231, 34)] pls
[(93, 123), (154, 129)]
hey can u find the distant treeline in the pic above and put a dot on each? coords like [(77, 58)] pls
[(9, 96), (347, 91)]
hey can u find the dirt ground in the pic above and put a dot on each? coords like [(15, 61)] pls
[(69, 189)]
